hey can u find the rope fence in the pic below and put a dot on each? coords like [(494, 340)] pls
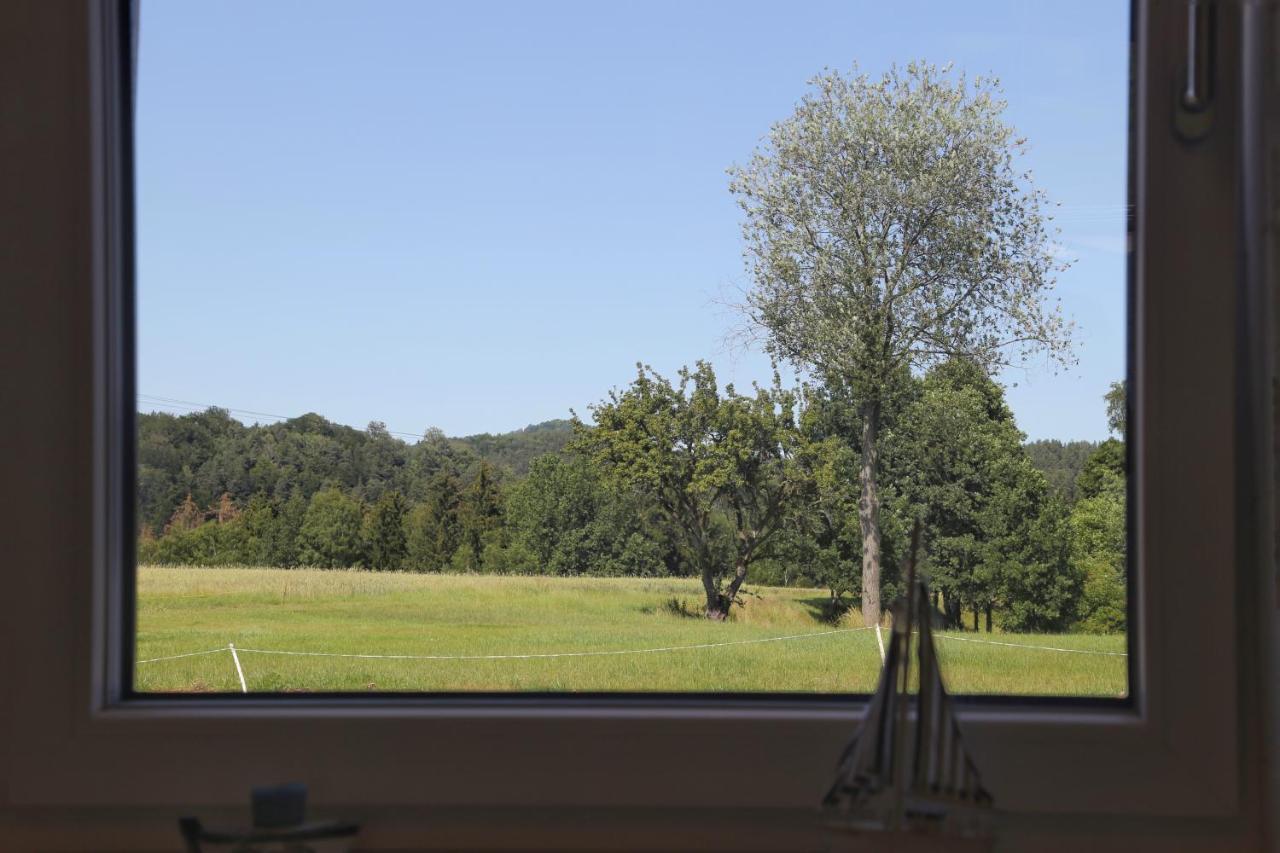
[(1030, 646), (235, 651)]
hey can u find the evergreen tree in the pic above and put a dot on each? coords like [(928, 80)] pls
[(432, 531), (479, 514), (187, 516), (384, 533), (225, 510)]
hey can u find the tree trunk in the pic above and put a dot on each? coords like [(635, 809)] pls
[(730, 594), (975, 619), (869, 515), (988, 618), (716, 609)]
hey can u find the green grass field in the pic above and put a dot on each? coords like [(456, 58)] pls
[(183, 610)]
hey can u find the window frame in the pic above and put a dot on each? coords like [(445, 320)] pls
[(1174, 752)]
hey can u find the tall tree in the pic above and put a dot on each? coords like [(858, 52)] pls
[(1098, 526), (994, 538), (384, 535), (721, 467), (479, 514), (431, 527), (886, 225)]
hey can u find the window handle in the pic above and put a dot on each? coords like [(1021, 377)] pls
[(1193, 114)]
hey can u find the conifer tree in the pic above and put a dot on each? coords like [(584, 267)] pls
[(187, 516), (384, 533)]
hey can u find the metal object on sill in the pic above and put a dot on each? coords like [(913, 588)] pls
[(279, 826)]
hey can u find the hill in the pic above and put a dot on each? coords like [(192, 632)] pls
[(1061, 462), (208, 454), (514, 451)]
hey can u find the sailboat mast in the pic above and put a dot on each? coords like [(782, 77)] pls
[(904, 629)]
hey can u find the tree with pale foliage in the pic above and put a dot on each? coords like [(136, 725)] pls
[(1117, 408), (886, 225)]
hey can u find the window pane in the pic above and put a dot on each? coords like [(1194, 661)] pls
[(617, 348)]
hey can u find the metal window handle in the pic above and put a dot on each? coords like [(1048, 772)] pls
[(1197, 92), (1193, 101)]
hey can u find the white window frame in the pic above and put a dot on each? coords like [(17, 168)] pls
[(736, 773)]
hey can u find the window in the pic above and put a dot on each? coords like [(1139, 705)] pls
[(415, 214), (1171, 762)]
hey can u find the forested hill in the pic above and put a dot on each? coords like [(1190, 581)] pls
[(1061, 463), (208, 454), (513, 451)]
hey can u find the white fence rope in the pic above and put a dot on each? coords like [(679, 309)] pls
[(187, 655), (230, 647), (556, 654), (1029, 646)]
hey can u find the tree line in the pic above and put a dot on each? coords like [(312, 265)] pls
[(675, 477)]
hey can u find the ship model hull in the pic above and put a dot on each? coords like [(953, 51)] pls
[(906, 781)]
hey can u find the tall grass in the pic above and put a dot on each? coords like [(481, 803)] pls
[(184, 610)]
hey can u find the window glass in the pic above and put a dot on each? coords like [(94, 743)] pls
[(598, 348)]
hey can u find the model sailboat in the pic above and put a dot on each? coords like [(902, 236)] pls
[(907, 773)]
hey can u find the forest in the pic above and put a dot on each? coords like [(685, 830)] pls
[(682, 478)]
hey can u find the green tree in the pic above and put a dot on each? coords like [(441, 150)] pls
[(1099, 553), (384, 534), (719, 468), (886, 227), (432, 531), (258, 523), (966, 474), (479, 515), (1117, 408), (330, 532), (1103, 471), (283, 535), (1041, 589), (550, 509), (1099, 536), (564, 519)]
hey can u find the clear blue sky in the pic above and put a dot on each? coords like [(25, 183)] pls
[(477, 216)]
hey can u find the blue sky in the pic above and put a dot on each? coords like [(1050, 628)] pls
[(479, 216)]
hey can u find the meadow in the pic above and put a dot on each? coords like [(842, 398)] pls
[(497, 633)]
